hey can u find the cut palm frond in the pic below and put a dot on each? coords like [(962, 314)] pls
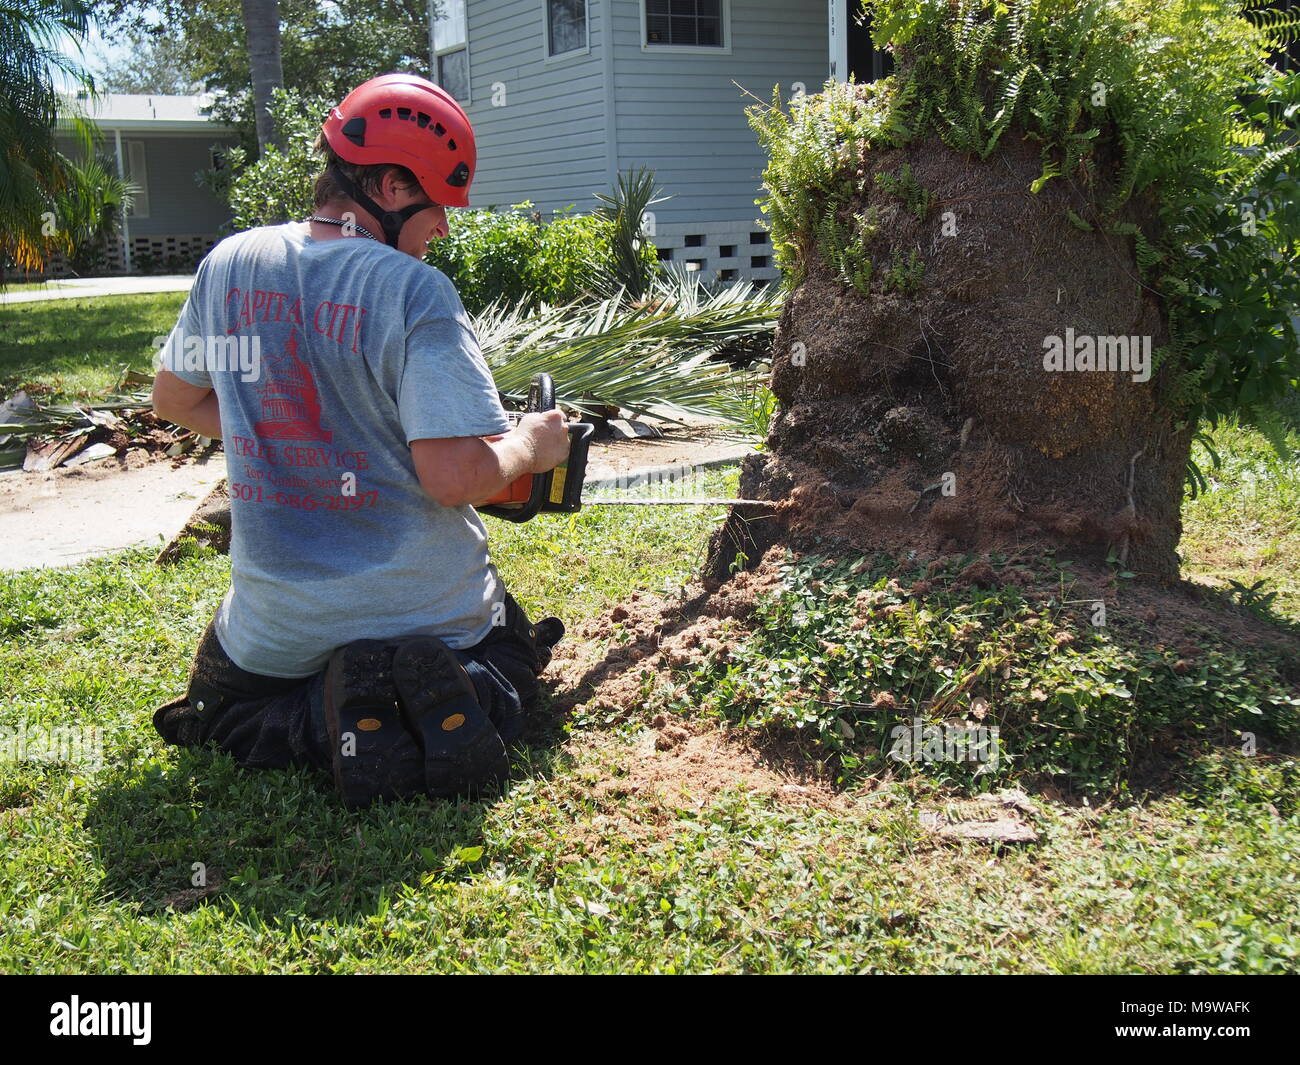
[(649, 357)]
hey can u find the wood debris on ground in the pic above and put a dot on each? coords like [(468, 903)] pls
[(38, 437)]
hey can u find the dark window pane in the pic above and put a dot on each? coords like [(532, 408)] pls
[(693, 23), (453, 73), (568, 25)]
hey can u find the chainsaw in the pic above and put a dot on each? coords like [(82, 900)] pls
[(559, 491)]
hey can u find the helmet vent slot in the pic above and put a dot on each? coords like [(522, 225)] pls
[(459, 177), (404, 113), (423, 120), (386, 112), (439, 128), (451, 145)]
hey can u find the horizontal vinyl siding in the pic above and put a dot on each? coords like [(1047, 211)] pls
[(680, 114), (548, 143), (177, 203)]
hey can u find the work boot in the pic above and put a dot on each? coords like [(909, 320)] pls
[(548, 632), (374, 757), (463, 752)]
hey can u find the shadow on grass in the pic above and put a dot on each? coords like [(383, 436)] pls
[(188, 827)]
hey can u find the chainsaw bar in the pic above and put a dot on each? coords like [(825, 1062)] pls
[(679, 502)]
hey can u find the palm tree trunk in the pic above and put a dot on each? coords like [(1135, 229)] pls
[(930, 417), (262, 24)]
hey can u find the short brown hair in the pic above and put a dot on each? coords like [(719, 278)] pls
[(366, 178)]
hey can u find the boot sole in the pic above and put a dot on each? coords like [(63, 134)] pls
[(361, 703), (463, 752)]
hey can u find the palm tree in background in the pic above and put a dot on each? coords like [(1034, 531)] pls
[(31, 170), (262, 25)]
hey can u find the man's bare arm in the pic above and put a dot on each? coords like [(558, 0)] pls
[(470, 469), (186, 404)]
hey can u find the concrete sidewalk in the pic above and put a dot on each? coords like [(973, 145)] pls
[(88, 287)]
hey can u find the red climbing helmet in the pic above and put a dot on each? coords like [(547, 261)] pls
[(408, 121)]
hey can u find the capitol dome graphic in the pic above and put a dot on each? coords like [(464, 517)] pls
[(290, 406)]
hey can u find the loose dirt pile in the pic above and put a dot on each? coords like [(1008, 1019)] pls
[(678, 762), (608, 667)]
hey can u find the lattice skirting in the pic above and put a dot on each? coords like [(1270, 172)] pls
[(172, 253)]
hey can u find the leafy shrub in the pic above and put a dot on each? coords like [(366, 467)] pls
[(488, 253), (277, 186), (512, 255), (571, 254)]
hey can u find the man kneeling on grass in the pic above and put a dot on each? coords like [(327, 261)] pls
[(365, 630)]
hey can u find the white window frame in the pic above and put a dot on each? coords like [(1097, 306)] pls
[(690, 49), (572, 53), (440, 52), (140, 179)]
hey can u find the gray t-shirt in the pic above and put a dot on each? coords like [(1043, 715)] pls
[(328, 358)]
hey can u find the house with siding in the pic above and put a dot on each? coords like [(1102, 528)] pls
[(564, 94), (161, 144)]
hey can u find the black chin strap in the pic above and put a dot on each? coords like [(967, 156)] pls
[(391, 221)]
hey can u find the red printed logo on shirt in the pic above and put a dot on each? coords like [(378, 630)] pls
[(290, 404), (278, 463)]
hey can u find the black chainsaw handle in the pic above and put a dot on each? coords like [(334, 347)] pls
[(541, 398)]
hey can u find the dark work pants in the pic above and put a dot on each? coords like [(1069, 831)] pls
[(274, 722)]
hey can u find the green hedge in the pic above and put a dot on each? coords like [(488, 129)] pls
[(513, 255)]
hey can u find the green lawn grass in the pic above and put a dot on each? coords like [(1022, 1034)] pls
[(98, 865), (74, 350), (97, 868), (1246, 526)]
